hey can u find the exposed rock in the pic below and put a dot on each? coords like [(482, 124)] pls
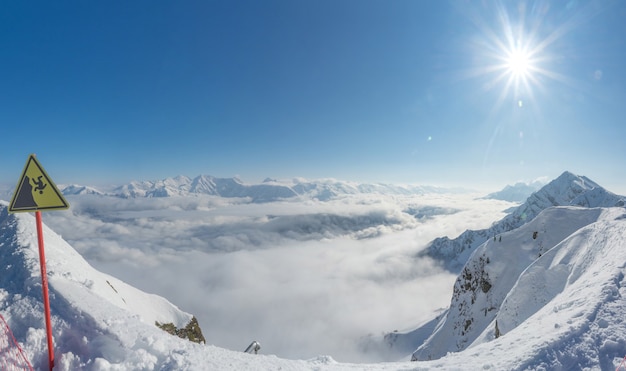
[(191, 332)]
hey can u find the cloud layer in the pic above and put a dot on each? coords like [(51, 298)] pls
[(303, 278)]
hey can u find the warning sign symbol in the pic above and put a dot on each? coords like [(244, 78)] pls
[(36, 191)]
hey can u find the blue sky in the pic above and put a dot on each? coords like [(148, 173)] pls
[(379, 91)]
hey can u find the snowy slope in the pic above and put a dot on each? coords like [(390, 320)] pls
[(567, 189), (93, 314), (554, 285)]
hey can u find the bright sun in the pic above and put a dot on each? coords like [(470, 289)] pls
[(512, 52), (518, 63)]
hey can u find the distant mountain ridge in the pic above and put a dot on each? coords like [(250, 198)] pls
[(75, 189), (203, 184), (267, 191), (566, 190), (518, 192)]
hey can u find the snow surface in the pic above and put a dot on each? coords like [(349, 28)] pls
[(557, 295)]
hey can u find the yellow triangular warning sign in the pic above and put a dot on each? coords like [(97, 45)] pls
[(36, 191)]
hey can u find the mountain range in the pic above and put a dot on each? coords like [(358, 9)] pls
[(267, 191), (543, 288)]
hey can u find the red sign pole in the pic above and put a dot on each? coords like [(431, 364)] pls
[(44, 284)]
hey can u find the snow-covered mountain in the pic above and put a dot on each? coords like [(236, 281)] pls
[(203, 184), (517, 192), (566, 190), (267, 191), (75, 189), (538, 272), (325, 190)]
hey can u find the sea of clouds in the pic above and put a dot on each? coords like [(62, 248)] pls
[(302, 277)]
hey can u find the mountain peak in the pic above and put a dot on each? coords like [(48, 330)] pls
[(566, 190), (575, 181), (567, 174)]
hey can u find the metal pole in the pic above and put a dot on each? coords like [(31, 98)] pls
[(44, 284)]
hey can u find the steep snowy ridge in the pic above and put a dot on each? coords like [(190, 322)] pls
[(567, 189), (493, 270), (563, 272), (89, 308)]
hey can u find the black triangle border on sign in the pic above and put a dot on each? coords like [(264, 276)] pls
[(13, 209)]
